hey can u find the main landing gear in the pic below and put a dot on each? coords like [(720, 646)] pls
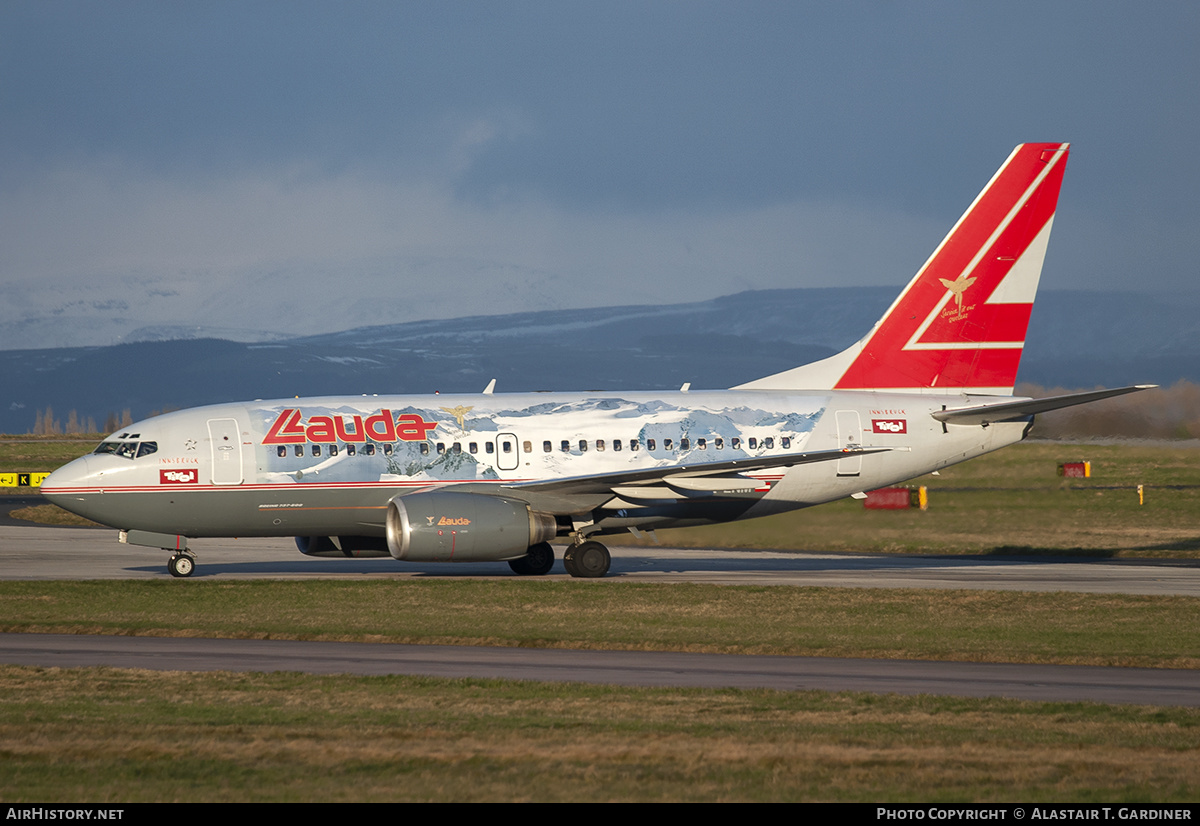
[(588, 559), (181, 564), (538, 561)]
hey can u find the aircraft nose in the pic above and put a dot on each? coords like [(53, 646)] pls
[(70, 475)]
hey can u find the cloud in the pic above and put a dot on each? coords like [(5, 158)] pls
[(295, 249)]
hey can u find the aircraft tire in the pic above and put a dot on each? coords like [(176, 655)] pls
[(537, 562), (588, 561), (181, 565), (569, 560)]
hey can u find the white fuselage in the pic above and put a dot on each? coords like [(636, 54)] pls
[(329, 466)]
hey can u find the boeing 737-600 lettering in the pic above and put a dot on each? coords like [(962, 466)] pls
[(499, 477)]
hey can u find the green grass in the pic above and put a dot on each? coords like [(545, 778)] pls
[(123, 736), (115, 736), (992, 626), (1011, 501)]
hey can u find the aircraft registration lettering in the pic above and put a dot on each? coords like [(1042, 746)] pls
[(289, 428)]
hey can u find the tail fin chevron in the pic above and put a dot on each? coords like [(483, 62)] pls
[(959, 326)]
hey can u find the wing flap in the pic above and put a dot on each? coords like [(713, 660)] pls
[(683, 474)]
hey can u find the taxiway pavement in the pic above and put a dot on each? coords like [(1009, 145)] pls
[(36, 552)]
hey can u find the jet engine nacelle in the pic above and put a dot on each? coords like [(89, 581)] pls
[(444, 526)]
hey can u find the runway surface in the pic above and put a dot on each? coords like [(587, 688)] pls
[(632, 668), (33, 552), (85, 553)]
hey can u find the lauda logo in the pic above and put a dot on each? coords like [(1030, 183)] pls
[(289, 428), (889, 425), (188, 476)]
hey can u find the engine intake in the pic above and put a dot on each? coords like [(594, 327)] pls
[(444, 526)]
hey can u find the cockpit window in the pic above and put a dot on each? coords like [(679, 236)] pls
[(129, 450)]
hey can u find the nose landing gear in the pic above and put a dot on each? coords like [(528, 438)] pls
[(181, 564)]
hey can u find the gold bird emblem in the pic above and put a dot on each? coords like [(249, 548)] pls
[(958, 287), (460, 413)]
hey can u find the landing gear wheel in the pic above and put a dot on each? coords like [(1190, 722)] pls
[(569, 560), (538, 561), (588, 560), (181, 565)]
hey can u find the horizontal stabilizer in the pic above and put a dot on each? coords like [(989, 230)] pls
[(1010, 411)]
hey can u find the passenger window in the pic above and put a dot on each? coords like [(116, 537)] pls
[(566, 446), (684, 444), (753, 443), (424, 448), (719, 442), (547, 446), (527, 446), (735, 443), (473, 447), (387, 449), (634, 444), (599, 444), (616, 444), (702, 444), (350, 450), (649, 444), (769, 443), (333, 450), (506, 446), (316, 450), (489, 448), (785, 442), (281, 451), (441, 448), (457, 447), (299, 450), (668, 444), (583, 445), (369, 449)]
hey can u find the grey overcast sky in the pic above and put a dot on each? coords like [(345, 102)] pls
[(311, 166)]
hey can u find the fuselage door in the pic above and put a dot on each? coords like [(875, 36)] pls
[(849, 429), (508, 454), (226, 441)]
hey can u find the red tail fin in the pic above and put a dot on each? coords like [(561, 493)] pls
[(959, 325)]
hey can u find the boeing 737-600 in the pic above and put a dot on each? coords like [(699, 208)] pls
[(499, 477)]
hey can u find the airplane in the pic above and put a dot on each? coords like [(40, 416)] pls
[(498, 477)]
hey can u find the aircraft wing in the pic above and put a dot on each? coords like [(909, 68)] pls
[(575, 494), (984, 414)]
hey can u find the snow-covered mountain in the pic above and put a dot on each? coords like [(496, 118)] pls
[(1076, 339)]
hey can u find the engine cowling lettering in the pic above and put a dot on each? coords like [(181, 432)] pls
[(290, 427)]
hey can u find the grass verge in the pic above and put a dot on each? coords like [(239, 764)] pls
[(108, 735), (981, 626)]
